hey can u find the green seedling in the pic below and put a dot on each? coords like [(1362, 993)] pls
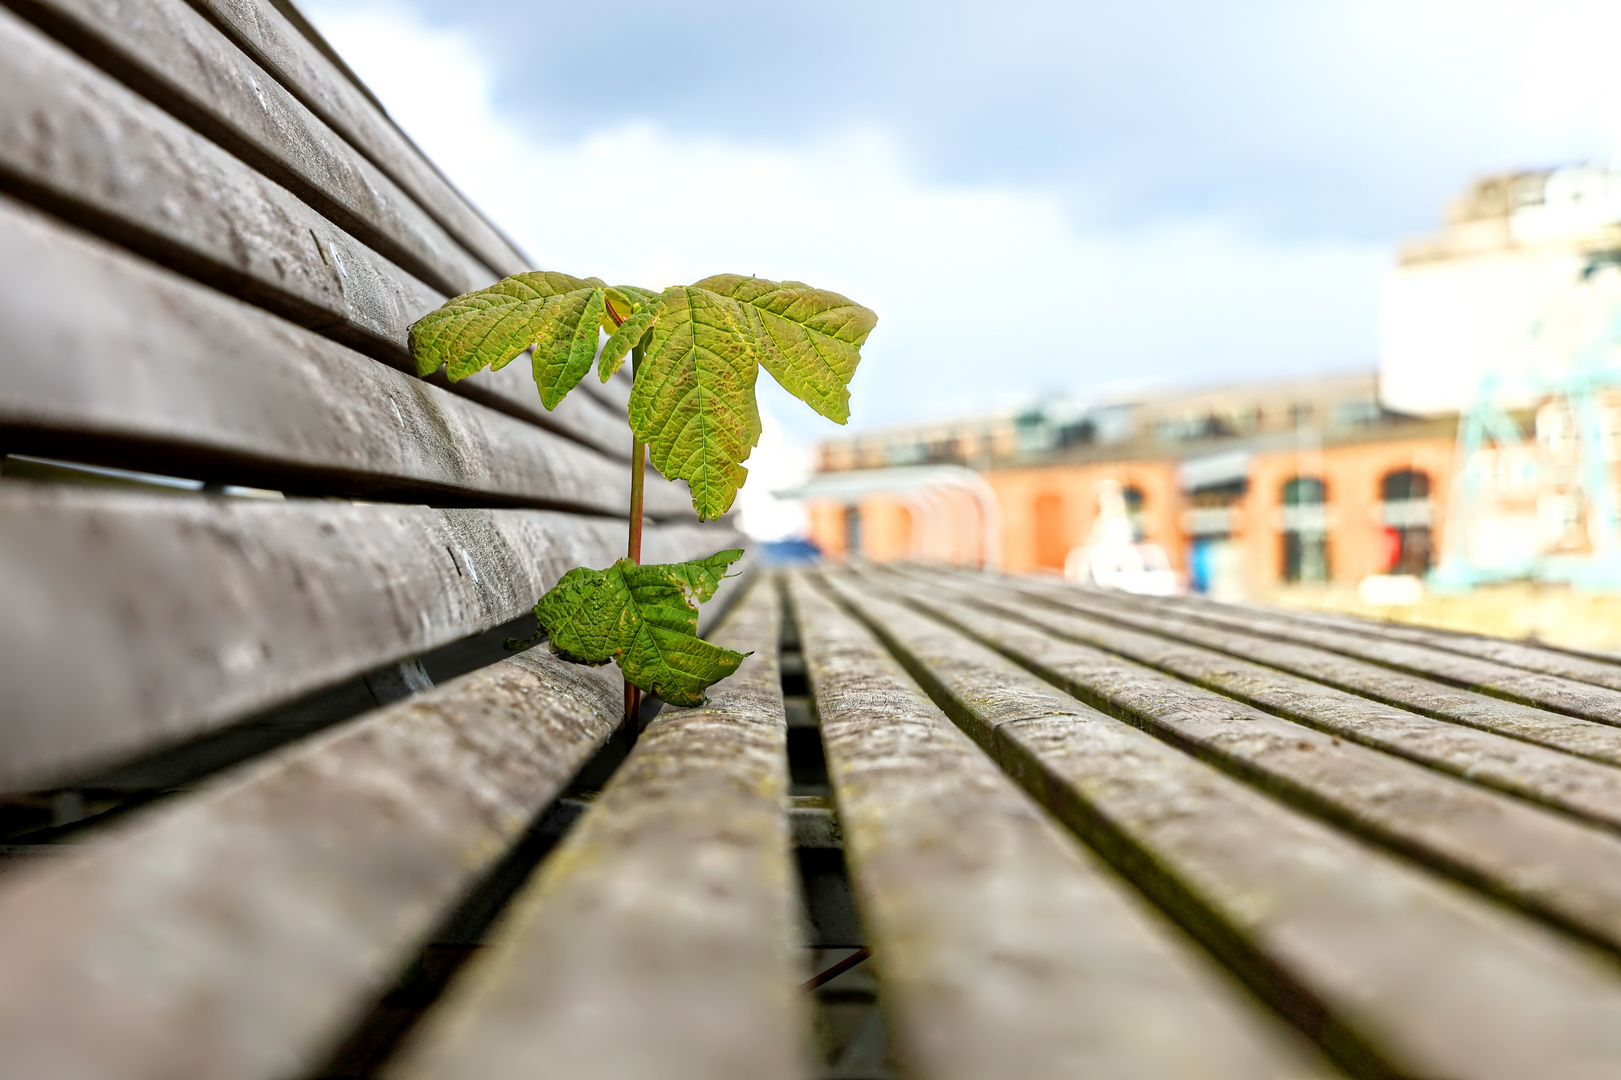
[(695, 352)]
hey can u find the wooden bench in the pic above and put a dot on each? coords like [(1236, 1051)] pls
[(275, 802)]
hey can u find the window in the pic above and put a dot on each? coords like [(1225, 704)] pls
[(1405, 511), (1305, 530)]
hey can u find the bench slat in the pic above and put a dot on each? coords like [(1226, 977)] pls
[(1563, 870), (1520, 654), (1597, 703), (119, 162), (659, 938), (169, 376), (1001, 949), (203, 212), (236, 933), (1584, 738), (1586, 789), (273, 42), (1394, 971), (169, 53), (200, 610)]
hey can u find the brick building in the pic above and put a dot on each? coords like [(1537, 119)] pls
[(1242, 487)]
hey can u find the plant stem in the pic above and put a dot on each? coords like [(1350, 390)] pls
[(633, 548)]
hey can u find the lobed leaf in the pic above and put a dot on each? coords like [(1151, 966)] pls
[(488, 327), (565, 342), (808, 339), (646, 619), (693, 401)]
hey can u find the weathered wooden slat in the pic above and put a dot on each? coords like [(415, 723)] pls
[(1002, 949), (73, 138), (1394, 972), (162, 374), (1578, 787), (200, 610), (1534, 688), (203, 212), (235, 933), (660, 938), (276, 45), (1566, 872), (1520, 654), (1584, 738), (579, 416), (172, 55)]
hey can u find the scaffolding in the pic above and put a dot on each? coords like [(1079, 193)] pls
[(1543, 506)]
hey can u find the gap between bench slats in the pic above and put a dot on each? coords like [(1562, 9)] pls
[(196, 206), (1394, 971), (162, 374), (1534, 688), (237, 933), (170, 54), (1520, 654), (131, 621), (276, 45), (660, 938), (1584, 738), (1002, 949), (203, 212), (1562, 870), (1584, 788)]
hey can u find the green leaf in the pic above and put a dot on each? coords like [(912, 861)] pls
[(626, 336), (487, 328), (808, 339), (565, 336), (645, 618), (693, 401)]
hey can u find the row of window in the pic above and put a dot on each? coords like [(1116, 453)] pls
[(1306, 550)]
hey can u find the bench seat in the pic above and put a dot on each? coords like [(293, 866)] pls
[(276, 802)]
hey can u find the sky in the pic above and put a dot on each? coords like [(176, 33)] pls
[(1073, 199)]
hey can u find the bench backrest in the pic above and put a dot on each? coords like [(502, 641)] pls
[(212, 243)]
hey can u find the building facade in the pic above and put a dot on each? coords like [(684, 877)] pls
[(1241, 488), (1505, 325)]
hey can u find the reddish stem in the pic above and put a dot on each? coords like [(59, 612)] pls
[(633, 547)]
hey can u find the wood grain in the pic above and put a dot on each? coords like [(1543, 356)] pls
[(165, 375), (1394, 971), (1563, 871), (235, 934), (90, 149), (1535, 688), (1001, 948), (660, 939), (201, 610), (1520, 654), (170, 54), (274, 43), (1584, 738), (1583, 788)]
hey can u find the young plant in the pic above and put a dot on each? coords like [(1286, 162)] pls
[(695, 352)]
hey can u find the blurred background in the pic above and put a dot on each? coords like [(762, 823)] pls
[(1312, 303)]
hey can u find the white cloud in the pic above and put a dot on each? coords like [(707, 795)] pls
[(987, 295)]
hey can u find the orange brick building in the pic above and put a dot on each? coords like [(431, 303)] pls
[(1347, 491)]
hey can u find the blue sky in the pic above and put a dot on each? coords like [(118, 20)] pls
[(1037, 198)]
